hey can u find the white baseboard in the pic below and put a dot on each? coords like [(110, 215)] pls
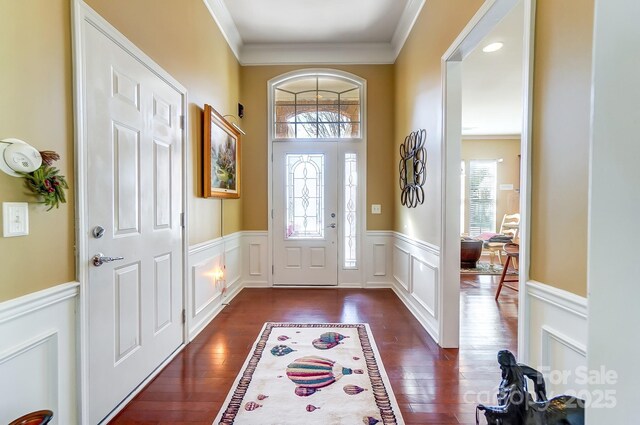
[(38, 354), (556, 335)]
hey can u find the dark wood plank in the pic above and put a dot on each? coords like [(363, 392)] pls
[(432, 385)]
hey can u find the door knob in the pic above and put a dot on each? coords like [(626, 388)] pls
[(332, 225), (99, 259)]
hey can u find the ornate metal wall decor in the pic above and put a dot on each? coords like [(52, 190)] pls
[(413, 168)]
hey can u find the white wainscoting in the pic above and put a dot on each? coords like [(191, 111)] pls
[(38, 354), (255, 253), (378, 259), (205, 298), (416, 279), (557, 336)]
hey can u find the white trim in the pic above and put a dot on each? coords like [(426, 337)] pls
[(17, 307), (204, 322), (45, 322), (548, 332), (407, 21), (362, 163), (409, 302), (227, 26), (317, 54), (491, 136), (525, 176), (487, 17), (81, 12), (556, 332), (564, 300), (426, 246)]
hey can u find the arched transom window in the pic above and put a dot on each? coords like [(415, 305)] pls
[(317, 107)]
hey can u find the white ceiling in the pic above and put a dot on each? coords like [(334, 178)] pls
[(319, 31), (492, 82), (316, 21)]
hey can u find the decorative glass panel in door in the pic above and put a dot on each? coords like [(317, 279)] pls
[(305, 213)]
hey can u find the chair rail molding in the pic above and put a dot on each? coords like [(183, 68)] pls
[(38, 334), (556, 332)]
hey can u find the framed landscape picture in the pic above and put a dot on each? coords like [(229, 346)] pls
[(221, 155)]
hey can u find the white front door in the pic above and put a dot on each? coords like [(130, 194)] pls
[(133, 204), (305, 213)]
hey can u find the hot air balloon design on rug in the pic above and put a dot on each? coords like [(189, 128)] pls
[(283, 338), (252, 405), (262, 396), (368, 420), (328, 340), (313, 372), (281, 350), (353, 389), (311, 407)]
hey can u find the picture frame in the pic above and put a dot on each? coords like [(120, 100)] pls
[(221, 156)]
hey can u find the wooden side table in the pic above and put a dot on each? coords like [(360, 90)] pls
[(513, 251)]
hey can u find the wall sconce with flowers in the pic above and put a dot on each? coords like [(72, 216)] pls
[(19, 159), (220, 281)]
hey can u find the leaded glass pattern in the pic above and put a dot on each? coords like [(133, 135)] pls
[(305, 196), (350, 210), (317, 107)]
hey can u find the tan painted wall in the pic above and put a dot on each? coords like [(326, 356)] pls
[(36, 105), (508, 201), (380, 106), (561, 120), (419, 105), (182, 37)]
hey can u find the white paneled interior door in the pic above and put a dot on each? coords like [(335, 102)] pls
[(133, 203), (305, 213)]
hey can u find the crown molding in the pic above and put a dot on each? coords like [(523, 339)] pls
[(314, 53), (317, 53), (223, 19), (407, 21)]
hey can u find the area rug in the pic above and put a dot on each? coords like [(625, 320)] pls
[(486, 268), (328, 374)]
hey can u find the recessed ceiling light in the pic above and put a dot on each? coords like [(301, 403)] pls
[(493, 47)]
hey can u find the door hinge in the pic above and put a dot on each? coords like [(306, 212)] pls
[(272, 157), (182, 121), (182, 220), (272, 214), (273, 269), (184, 316)]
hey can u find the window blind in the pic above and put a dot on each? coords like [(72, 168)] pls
[(482, 196)]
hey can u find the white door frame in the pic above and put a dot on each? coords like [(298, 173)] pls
[(362, 181), (81, 12), (487, 17)]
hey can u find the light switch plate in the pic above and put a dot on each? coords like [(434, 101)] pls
[(15, 219), (376, 209)]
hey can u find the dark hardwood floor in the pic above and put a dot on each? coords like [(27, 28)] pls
[(432, 385)]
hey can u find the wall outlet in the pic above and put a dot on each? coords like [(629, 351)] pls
[(15, 219), (376, 209)]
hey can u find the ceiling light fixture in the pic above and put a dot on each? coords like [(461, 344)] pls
[(493, 47)]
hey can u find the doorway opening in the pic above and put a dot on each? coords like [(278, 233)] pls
[(487, 85), (489, 185)]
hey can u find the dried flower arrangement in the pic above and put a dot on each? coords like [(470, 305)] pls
[(46, 182)]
